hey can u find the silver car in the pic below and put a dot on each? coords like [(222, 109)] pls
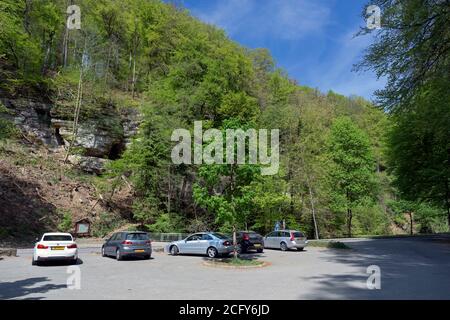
[(285, 240), (212, 244)]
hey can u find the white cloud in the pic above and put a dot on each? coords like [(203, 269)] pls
[(335, 73), (285, 19)]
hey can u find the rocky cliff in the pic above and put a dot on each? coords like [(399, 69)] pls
[(100, 138)]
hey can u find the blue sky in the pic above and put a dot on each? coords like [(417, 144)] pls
[(311, 39)]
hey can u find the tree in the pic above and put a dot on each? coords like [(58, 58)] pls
[(419, 153), (351, 174), (412, 47), (233, 204)]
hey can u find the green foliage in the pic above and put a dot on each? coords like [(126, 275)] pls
[(351, 174), (7, 128), (66, 222), (106, 223), (165, 223), (426, 217), (411, 48), (155, 57), (418, 151)]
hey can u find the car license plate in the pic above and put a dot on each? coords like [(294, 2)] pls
[(57, 248), (139, 250), (257, 245)]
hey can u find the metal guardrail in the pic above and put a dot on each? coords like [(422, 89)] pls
[(167, 237)]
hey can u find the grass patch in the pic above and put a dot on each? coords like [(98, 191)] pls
[(235, 262), (328, 244)]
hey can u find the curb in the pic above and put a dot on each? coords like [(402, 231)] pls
[(224, 265), (8, 252)]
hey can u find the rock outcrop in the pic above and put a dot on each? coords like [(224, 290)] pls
[(97, 140)]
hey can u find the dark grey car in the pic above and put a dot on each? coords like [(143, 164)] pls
[(127, 244)]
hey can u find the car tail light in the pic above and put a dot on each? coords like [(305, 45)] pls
[(148, 242), (292, 237), (41, 246), (227, 243), (72, 246), (127, 242), (246, 237)]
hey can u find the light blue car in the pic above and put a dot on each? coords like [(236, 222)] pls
[(213, 244)]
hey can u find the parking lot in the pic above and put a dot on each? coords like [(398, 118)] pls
[(410, 269)]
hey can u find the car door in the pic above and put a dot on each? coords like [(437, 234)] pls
[(284, 236), (204, 243), (191, 244), (115, 244), (269, 240), (108, 244)]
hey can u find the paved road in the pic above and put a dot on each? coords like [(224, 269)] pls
[(410, 269)]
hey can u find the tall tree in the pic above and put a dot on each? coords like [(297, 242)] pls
[(351, 174), (412, 47)]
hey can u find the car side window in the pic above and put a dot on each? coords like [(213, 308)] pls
[(114, 236), (272, 234), (206, 237), (192, 238), (286, 234)]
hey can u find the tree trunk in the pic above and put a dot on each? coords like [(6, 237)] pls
[(447, 201), (169, 191), (349, 222), (133, 84), (26, 14), (411, 223), (77, 108), (235, 253), (311, 200)]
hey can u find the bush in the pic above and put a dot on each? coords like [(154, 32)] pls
[(164, 223), (106, 223), (7, 128), (66, 223)]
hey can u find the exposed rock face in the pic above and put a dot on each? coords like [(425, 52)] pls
[(92, 139), (89, 164), (96, 140), (33, 118)]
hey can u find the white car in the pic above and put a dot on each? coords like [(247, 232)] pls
[(55, 246)]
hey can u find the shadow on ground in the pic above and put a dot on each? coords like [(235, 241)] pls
[(57, 263), (409, 269), (21, 288)]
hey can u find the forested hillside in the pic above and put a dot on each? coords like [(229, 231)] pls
[(137, 70)]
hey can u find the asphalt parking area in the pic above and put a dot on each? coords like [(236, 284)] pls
[(409, 269)]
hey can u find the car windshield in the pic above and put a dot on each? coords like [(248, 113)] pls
[(137, 236), (220, 235), (57, 238)]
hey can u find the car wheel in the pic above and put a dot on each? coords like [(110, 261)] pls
[(174, 250), (283, 246), (300, 249), (34, 262), (103, 252), (74, 261), (259, 250), (118, 255), (212, 252), (146, 257)]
